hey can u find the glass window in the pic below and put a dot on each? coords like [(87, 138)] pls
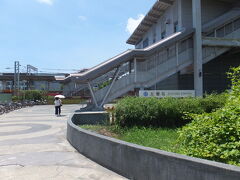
[(237, 24), (163, 35), (228, 28), (221, 32), (154, 35), (145, 43), (211, 34), (1, 85), (176, 27)]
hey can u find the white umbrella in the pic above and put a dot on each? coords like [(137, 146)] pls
[(60, 96)]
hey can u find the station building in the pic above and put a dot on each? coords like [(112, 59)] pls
[(179, 45), (51, 83)]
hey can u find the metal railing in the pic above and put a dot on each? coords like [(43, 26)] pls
[(230, 30), (225, 29)]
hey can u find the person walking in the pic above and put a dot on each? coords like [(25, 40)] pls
[(58, 104)]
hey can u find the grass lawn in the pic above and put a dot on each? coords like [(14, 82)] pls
[(164, 139)]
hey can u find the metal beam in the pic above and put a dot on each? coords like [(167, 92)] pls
[(153, 15), (146, 24), (110, 88), (152, 20), (157, 10), (138, 34), (30, 67), (93, 95), (220, 42), (166, 2)]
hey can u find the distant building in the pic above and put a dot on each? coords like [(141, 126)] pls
[(46, 82), (179, 45)]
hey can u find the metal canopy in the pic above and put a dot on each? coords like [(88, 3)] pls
[(24, 76), (151, 18)]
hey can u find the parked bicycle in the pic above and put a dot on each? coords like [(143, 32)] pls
[(8, 107)]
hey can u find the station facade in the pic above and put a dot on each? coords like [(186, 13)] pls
[(179, 45)]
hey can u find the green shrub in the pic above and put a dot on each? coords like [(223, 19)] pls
[(33, 95), (14, 98), (104, 84), (216, 136), (212, 102), (167, 112)]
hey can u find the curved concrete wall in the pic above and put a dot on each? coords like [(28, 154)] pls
[(141, 163)]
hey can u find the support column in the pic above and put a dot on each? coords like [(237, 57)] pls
[(179, 4), (198, 61), (177, 55), (93, 95), (135, 70), (130, 67), (110, 88)]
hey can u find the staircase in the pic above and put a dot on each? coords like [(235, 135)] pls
[(73, 89)]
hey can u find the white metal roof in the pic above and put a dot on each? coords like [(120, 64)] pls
[(151, 18)]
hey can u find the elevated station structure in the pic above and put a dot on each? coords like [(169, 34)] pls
[(32, 81), (179, 45)]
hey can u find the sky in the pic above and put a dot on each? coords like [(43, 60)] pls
[(66, 35)]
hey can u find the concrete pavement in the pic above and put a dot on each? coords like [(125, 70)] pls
[(33, 146)]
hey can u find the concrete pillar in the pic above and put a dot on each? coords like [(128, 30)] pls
[(177, 54), (130, 67), (92, 94), (179, 4), (198, 60), (135, 69)]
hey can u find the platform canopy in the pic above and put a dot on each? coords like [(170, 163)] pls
[(151, 18)]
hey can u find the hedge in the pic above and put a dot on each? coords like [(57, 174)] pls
[(216, 136), (167, 112), (33, 95)]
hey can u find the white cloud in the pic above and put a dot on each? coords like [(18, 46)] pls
[(82, 18), (132, 23), (48, 2)]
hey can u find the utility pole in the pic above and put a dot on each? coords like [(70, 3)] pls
[(30, 68), (16, 77)]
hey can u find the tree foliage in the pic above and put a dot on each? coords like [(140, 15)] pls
[(216, 136)]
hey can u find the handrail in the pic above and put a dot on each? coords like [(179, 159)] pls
[(222, 20)]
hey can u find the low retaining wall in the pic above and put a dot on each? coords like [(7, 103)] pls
[(141, 163), (93, 118)]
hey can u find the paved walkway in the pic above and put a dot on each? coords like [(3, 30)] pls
[(33, 146)]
